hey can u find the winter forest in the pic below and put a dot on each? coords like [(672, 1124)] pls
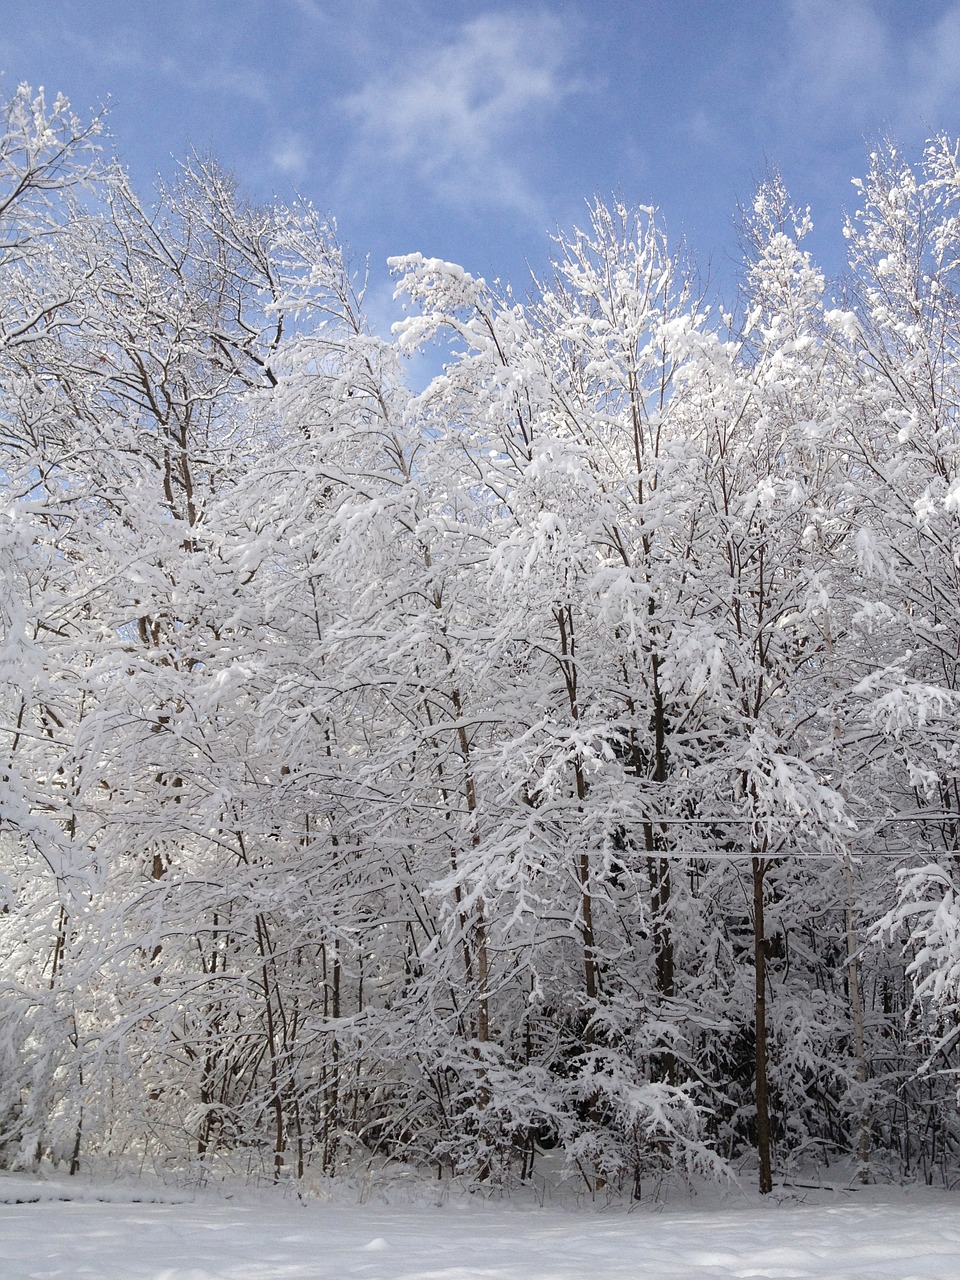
[(559, 762)]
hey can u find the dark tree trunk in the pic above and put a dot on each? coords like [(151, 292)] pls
[(762, 1096)]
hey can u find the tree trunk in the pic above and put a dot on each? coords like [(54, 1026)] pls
[(856, 1010), (761, 1093)]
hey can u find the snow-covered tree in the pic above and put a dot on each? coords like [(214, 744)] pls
[(542, 760)]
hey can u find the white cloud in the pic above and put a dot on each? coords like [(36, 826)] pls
[(290, 155), (455, 113), (840, 57), (221, 78), (310, 8), (869, 67), (932, 87)]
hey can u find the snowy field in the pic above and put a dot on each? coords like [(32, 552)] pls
[(84, 1233)]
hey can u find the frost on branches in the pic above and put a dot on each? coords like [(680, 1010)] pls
[(561, 763)]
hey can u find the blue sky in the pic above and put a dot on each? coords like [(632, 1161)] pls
[(469, 131)]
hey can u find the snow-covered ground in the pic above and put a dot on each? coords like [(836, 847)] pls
[(133, 1232)]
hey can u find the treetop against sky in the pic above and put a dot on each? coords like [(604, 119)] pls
[(470, 131)]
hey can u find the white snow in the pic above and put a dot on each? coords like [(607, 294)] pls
[(106, 1234)]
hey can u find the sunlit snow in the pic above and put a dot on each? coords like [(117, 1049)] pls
[(129, 1232)]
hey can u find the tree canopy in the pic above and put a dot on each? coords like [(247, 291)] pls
[(562, 758)]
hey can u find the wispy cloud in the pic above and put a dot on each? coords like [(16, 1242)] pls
[(457, 114), (838, 54), (290, 155), (932, 88), (310, 8), (194, 66), (870, 66), (220, 78)]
